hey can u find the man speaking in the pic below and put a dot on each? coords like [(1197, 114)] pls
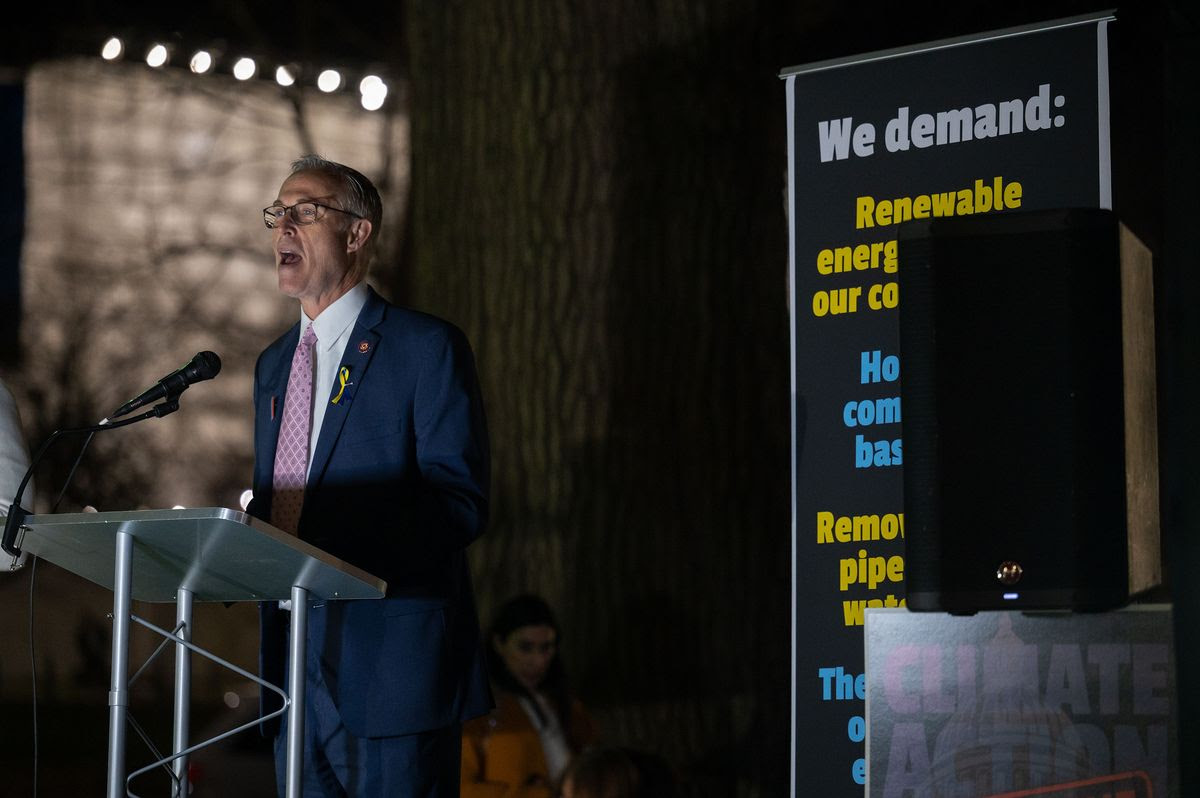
[(370, 443)]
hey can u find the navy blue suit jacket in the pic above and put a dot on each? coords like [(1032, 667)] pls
[(398, 486)]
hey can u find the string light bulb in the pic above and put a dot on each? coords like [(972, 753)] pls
[(374, 92), (329, 81), (372, 88), (201, 62), (157, 55), (244, 68), (112, 50)]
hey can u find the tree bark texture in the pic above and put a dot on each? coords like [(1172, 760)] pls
[(598, 201)]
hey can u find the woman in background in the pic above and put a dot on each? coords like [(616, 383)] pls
[(522, 748)]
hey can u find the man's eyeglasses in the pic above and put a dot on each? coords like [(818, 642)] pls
[(301, 213)]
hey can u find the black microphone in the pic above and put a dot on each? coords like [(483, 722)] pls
[(204, 366)]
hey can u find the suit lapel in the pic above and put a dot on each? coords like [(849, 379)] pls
[(271, 401), (360, 349)]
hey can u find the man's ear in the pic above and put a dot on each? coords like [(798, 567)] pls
[(358, 234)]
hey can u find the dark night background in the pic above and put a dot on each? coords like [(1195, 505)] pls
[(597, 199)]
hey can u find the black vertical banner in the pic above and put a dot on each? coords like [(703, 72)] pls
[(1005, 121)]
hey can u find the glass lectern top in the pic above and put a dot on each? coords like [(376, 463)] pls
[(218, 554)]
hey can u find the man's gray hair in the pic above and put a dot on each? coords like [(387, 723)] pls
[(358, 194)]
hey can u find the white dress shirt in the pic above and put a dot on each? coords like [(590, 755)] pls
[(332, 327)]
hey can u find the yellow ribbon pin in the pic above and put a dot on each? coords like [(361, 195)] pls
[(343, 381)]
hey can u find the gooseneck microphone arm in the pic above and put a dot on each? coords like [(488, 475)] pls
[(17, 513)]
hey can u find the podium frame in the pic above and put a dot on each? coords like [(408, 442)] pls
[(208, 554)]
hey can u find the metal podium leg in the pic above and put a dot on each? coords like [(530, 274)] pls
[(183, 685), (296, 683), (118, 691)]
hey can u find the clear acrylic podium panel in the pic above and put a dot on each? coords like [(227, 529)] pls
[(186, 555), (216, 553)]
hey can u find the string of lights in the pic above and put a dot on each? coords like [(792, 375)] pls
[(372, 89)]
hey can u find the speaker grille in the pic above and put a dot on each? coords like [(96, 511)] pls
[(1011, 383)]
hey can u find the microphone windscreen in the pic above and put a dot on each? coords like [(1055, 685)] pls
[(206, 365)]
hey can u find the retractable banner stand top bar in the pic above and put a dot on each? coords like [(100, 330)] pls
[(1003, 121)]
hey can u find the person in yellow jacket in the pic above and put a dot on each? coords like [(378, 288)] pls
[(523, 746)]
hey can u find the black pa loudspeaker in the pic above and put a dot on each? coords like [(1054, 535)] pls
[(1027, 388)]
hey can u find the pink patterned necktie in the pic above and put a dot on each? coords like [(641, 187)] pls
[(291, 451)]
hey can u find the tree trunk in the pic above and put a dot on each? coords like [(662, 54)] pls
[(598, 201)]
